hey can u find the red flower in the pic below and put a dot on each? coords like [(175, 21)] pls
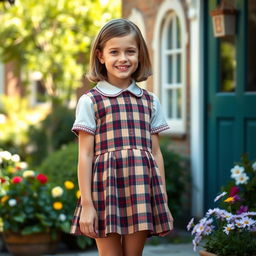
[(42, 178), (234, 190), (16, 179), (2, 180)]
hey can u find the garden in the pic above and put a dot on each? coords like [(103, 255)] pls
[(48, 44)]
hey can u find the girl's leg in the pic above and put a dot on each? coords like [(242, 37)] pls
[(133, 244), (109, 246)]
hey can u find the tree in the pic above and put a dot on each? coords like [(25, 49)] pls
[(54, 38)]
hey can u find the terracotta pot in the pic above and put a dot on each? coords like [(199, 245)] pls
[(30, 245), (205, 253)]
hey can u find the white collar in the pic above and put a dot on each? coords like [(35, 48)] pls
[(109, 90)]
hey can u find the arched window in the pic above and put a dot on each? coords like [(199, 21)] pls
[(172, 73)]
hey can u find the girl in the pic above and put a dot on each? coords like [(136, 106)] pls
[(120, 165)]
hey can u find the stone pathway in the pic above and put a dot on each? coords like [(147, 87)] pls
[(149, 250)]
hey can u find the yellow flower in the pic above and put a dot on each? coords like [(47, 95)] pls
[(57, 205), (4, 199), (69, 184), (57, 191), (78, 194), (229, 200), (28, 173)]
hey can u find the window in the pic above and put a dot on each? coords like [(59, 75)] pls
[(172, 82)]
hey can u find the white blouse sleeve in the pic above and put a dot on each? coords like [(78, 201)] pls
[(85, 116), (158, 122)]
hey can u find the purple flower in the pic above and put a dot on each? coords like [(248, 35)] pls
[(242, 209)]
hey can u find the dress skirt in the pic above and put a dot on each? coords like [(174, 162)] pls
[(127, 194)]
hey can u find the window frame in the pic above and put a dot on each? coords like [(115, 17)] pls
[(177, 125)]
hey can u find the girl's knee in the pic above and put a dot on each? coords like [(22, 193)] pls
[(109, 246), (133, 244)]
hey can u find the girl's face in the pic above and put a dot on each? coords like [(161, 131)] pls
[(120, 56)]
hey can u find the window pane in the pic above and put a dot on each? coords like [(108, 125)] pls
[(251, 85), (179, 103), (169, 104), (170, 36), (178, 45), (178, 68), (169, 69), (227, 64)]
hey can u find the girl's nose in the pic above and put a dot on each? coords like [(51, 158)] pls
[(123, 57)]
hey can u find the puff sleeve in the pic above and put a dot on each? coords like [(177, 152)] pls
[(158, 122), (85, 116)]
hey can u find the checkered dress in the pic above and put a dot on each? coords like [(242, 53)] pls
[(127, 189)]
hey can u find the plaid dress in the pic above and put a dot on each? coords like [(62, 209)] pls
[(127, 189)]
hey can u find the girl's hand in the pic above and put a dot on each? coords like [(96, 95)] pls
[(89, 221)]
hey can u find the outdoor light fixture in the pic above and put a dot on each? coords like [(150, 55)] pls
[(224, 20)]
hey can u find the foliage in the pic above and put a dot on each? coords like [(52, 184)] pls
[(57, 123), (177, 179), (62, 164), (53, 38), (230, 230), (15, 118), (29, 203)]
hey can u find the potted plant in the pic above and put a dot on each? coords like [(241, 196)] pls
[(33, 210), (230, 229)]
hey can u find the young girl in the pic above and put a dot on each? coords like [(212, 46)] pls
[(120, 165)]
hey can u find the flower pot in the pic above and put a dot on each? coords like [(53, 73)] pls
[(30, 245), (205, 253)]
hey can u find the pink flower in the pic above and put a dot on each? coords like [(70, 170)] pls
[(234, 190), (16, 179), (42, 178)]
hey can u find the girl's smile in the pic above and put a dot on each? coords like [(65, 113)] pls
[(120, 56)]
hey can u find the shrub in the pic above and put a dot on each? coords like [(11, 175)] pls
[(50, 134), (177, 179)]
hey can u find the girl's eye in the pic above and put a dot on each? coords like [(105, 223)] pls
[(113, 52), (131, 51)]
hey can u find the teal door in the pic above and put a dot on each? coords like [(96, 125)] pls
[(230, 88)]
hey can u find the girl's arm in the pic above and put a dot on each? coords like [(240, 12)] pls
[(88, 218), (156, 151)]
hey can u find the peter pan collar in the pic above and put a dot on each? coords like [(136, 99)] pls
[(109, 90)]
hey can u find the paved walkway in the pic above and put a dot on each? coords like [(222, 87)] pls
[(149, 250)]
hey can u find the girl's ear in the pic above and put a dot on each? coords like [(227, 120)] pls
[(100, 56)]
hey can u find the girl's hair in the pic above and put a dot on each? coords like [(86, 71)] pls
[(118, 28)]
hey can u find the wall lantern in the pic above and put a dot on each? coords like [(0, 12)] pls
[(224, 20)]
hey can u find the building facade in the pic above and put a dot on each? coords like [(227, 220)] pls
[(206, 85)]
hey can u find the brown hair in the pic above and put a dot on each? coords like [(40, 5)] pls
[(118, 28)]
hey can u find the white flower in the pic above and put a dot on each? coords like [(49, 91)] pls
[(242, 179), (237, 171), (62, 217), (219, 196), (228, 228), (5, 155), (254, 166), (12, 202), (57, 191), (190, 224), (247, 222), (239, 223), (28, 173), (15, 158), (208, 230)]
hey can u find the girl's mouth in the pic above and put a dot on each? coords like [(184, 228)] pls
[(122, 67)]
